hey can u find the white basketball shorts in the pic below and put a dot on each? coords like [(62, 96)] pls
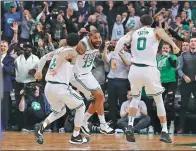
[(148, 77)]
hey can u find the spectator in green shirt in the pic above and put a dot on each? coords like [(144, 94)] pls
[(167, 66)]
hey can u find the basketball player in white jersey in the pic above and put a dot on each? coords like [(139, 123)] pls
[(58, 92), (84, 81), (144, 73)]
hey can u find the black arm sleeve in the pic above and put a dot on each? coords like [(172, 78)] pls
[(172, 62)]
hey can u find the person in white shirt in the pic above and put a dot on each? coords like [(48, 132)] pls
[(25, 68), (142, 120), (133, 21)]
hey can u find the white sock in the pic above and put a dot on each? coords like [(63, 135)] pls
[(164, 127), (172, 123), (102, 119), (44, 124), (131, 120), (87, 116), (76, 133)]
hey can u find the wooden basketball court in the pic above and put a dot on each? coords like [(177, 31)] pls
[(55, 141)]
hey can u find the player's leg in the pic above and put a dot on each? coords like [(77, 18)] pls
[(76, 82), (58, 110), (75, 101), (135, 80), (88, 85), (99, 105), (154, 88)]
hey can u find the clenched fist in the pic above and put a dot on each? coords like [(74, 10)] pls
[(38, 75)]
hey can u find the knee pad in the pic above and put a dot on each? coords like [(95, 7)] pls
[(134, 103), (160, 105), (170, 98)]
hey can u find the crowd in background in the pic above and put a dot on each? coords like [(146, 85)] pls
[(31, 29)]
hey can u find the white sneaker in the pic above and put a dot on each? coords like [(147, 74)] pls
[(143, 131), (61, 130), (105, 129), (171, 129), (85, 129), (150, 129), (27, 130)]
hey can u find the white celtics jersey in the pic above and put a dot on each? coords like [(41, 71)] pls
[(84, 63), (64, 71), (144, 46)]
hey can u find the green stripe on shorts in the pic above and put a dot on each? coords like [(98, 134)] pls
[(75, 76), (75, 95)]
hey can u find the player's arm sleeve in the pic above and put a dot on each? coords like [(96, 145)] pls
[(180, 66), (172, 61), (43, 60), (160, 33)]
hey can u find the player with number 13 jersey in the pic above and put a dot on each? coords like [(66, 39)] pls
[(85, 82)]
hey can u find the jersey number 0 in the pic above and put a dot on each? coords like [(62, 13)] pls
[(141, 43)]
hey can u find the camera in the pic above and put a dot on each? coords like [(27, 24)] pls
[(112, 45), (29, 89)]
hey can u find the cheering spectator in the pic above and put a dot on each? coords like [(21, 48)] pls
[(7, 64), (118, 29), (118, 83), (9, 18), (167, 66), (133, 21), (187, 71)]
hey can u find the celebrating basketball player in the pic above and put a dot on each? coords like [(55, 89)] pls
[(84, 81), (58, 92), (144, 72)]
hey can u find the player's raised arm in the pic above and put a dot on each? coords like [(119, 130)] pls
[(160, 32), (125, 39), (67, 55)]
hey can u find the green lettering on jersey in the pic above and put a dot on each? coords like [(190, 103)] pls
[(53, 64), (87, 63), (141, 43)]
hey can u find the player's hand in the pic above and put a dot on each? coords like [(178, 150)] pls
[(187, 79), (176, 49), (53, 72), (113, 64), (38, 75)]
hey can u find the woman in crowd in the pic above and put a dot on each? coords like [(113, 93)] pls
[(167, 62)]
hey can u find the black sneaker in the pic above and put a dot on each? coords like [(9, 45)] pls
[(129, 132), (79, 139), (39, 130), (165, 137)]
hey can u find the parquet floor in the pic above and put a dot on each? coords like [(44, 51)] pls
[(55, 141)]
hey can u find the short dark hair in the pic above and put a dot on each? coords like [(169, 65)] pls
[(72, 39), (146, 20), (93, 32)]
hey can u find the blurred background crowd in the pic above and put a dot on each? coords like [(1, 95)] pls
[(31, 29)]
